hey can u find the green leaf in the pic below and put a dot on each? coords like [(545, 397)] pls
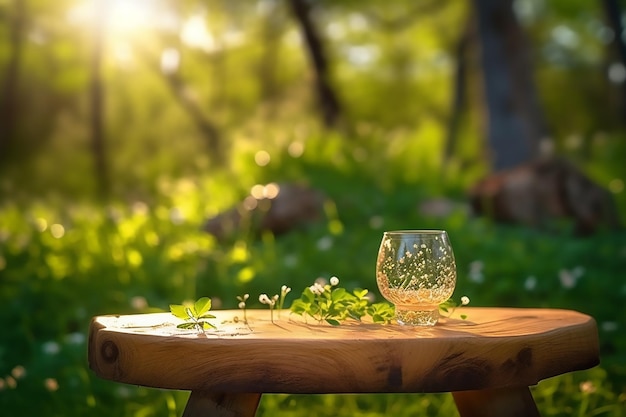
[(179, 311), (207, 316), (298, 306), (360, 293), (463, 316), (338, 294), (333, 322), (308, 296), (202, 306), (186, 326), (207, 325)]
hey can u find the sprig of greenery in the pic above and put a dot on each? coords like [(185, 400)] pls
[(271, 302), (334, 304), (195, 315), (242, 305), (284, 290), (450, 305)]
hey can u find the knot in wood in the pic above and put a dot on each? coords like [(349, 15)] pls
[(109, 351)]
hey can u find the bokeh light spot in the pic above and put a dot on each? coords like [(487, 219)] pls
[(57, 230), (262, 158)]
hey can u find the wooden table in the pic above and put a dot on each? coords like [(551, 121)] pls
[(487, 361)]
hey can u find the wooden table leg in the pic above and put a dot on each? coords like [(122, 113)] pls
[(504, 402), (211, 404)]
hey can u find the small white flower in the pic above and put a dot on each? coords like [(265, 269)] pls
[(334, 281), (609, 326), (274, 298), (476, 272), (242, 305), (264, 299), (465, 300), (324, 243), (246, 296), (530, 283), (568, 280), (51, 348), (317, 289), (75, 338)]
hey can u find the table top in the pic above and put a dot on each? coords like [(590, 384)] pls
[(491, 348)]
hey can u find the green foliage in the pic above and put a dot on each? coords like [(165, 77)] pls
[(335, 304), (197, 313), (65, 257)]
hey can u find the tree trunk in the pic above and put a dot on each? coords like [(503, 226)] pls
[(515, 124), (9, 98), (96, 97), (614, 17), (328, 101), (208, 130), (459, 94)]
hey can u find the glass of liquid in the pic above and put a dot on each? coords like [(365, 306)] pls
[(416, 271)]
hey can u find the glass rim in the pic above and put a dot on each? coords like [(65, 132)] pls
[(415, 232)]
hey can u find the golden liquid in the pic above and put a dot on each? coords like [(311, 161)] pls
[(421, 298), (416, 275)]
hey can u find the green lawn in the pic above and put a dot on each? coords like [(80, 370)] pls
[(64, 261)]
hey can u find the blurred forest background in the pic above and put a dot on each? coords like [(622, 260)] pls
[(126, 124)]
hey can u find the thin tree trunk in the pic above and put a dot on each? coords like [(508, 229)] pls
[(515, 124), (328, 101), (97, 102), (459, 94), (614, 16), (208, 130), (9, 99), (206, 127)]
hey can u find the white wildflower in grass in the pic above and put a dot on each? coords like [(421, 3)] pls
[(290, 261), (75, 338), (567, 279), (465, 300), (530, 283), (325, 243), (334, 281), (476, 272), (609, 326), (51, 348)]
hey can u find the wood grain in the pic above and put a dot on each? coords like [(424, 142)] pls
[(509, 402), (493, 348)]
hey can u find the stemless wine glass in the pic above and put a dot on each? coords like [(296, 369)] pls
[(416, 271)]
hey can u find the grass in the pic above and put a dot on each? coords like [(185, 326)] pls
[(63, 261)]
